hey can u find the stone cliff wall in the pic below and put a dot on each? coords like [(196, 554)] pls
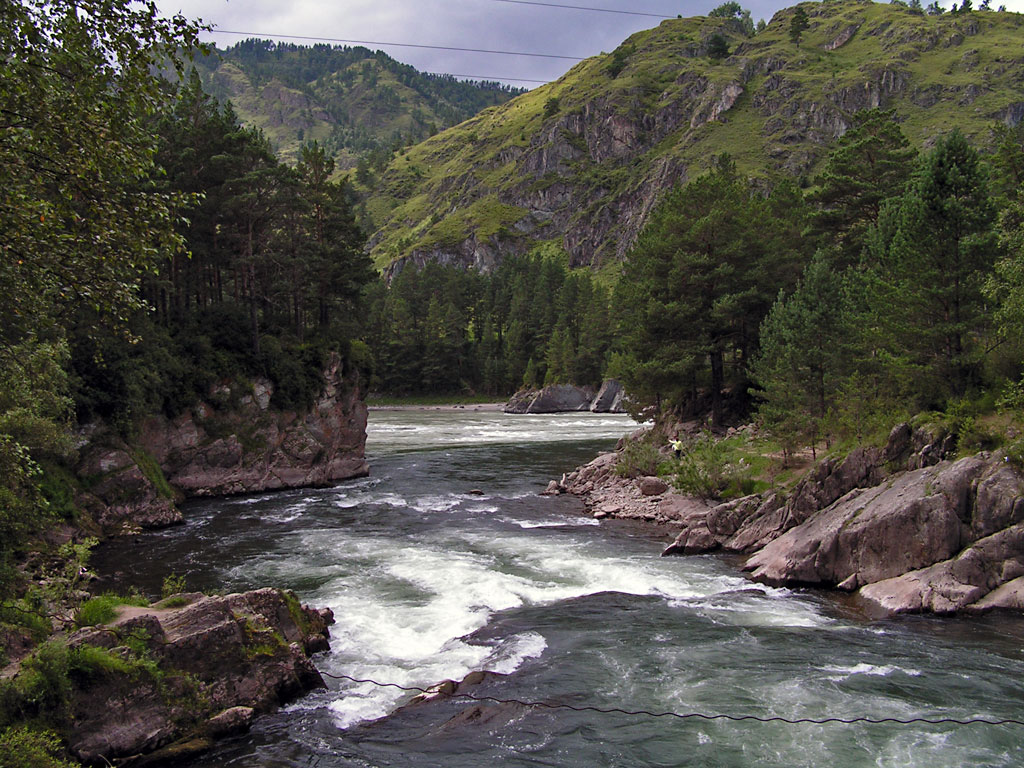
[(232, 442)]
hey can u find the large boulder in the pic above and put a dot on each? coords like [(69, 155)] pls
[(913, 521), (969, 580), (609, 398), (557, 398)]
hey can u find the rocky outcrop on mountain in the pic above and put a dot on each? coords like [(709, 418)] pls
[(233, 442), (564, 398), (585, 159), (174, 678)]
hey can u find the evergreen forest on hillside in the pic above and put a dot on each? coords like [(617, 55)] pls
[(360, 105), (154, 246)]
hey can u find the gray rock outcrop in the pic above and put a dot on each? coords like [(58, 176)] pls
[(910, 529), (566, 398)]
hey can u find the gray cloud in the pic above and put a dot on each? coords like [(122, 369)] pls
[(487, 24)]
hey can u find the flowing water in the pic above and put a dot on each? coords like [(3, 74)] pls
[(446, 561)]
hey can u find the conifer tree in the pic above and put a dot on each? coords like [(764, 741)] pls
[(870, 164), (943, 249)]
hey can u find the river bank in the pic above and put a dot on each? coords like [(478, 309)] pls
[(907, 527)]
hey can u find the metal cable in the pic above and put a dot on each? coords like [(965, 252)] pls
[(698, 715)]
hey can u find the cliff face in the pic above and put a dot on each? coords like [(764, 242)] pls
[(583, 160), (233, 442)]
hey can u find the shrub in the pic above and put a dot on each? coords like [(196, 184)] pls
[(101, 609), (173, 584), (708, 470), (638, 458), (23, 747)]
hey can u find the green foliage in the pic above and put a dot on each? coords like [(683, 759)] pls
[(710, 470), (943, 248), (358, 103), (80, 88), (445, 330), (102, 609), (798, 24), (173, 584), (869, 165), (24, 747), (151, 469), (618, 60), (551, 108), (803, 357), (726, 10), (703, 273), (639, 458), (718, 47)]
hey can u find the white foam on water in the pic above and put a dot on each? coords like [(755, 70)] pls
[(405, 620), (838, 673), (445, 503), (483, 509), (773, 608), (556, 522)]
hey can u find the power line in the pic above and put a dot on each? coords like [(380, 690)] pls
[(701, 715), (585, 8), (483, 77), (402, 45)]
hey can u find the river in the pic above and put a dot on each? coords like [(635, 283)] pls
[(446, 560)]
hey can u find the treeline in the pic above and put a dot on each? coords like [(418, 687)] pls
[(442, 329), (894, 286), (266, 283)]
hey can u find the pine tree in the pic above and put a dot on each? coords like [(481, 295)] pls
[(942, 251), (869, 165), (803, 356), (798, 24)]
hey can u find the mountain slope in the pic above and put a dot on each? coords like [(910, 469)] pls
[(352, 100), (581, 161)]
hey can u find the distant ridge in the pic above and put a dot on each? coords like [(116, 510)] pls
[(359, 103)]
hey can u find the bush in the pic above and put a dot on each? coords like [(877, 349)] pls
[(708, 470), (26, 748), (101, 609), (638, 458), (173, 584)]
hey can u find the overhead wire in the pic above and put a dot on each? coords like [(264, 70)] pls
[(586, 8), (402, 45), (698, 715)]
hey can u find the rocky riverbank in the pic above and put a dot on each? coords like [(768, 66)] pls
[(165, 681), (232, 442), (905, 526)]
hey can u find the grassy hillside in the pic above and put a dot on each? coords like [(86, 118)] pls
[(360, 104), (581, 161)]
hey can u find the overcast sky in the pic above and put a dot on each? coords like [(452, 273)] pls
[(498, 25)]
